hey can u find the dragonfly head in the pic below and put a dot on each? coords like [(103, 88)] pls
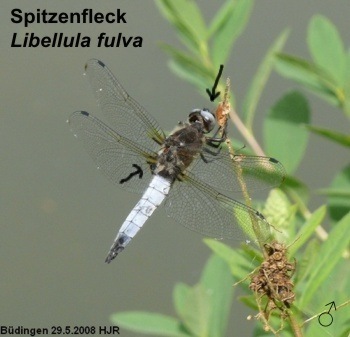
[(203, 116)]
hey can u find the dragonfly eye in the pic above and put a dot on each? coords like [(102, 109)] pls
[(209, 119), (203, 116)]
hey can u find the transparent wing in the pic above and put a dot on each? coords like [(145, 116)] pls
[(127, 117), (226, 174), (201, 208), (124, 162)]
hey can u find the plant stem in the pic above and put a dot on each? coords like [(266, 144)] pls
[(246, 133), (295, 326)]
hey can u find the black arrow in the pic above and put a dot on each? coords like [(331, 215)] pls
[(212, 94), (137, 172)]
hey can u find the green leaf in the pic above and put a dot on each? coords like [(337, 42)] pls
[(260, 78), (221, 18), (306, 261), (204, 309), (296, 189), (283, 130), (279, 212), (339, 203), (188, 68), (193, 307), (239, 265), (149, 323), (191, 17), (186, 18), (347, 85), (217, 280), (183, 71), (308, 229), (307, 74), (337, 137), (227, 33), (180, 294), (329, 255), (335, 192), (326, 47), (192, 66)]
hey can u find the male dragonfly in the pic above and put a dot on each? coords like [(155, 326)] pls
[(186, 170)]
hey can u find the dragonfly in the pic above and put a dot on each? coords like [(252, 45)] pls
[(187, 172)]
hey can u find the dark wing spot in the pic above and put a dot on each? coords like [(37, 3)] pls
[(101, 63), (273, 160), (259, 215), (84, 113)]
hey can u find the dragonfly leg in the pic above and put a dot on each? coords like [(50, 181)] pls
[(215, 141)]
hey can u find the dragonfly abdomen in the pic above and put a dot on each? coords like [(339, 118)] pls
[(155, 194)]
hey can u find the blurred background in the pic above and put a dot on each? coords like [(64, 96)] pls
[(59, 215)]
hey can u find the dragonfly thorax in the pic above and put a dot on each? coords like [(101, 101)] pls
[(180, 148)]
